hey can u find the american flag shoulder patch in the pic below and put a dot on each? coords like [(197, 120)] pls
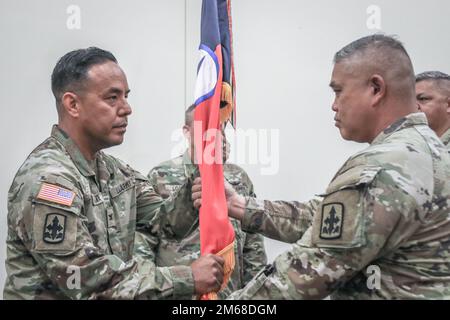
[(56, 194)]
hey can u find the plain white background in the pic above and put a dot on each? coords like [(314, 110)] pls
[(283, 56)]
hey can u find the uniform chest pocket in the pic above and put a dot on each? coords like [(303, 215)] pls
[(123, 201), (340, 220)]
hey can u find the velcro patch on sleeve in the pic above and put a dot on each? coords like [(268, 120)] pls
[(56, 194), (55, 230), (339, 222), (332, 221)]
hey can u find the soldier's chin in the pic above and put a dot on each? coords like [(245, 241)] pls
[(354, 136), (343, 133), (116, 140)]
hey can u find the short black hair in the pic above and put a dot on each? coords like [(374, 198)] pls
[(72, 68)]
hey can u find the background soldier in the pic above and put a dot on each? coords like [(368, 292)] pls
[(433, 97), (387, 206), (179, 241), (74, 212)]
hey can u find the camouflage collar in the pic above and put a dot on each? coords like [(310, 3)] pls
[(105, 162), (446, 137), (410, 120), (190, 169), (72, 149)]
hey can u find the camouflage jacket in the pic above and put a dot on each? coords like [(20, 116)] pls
[(73, 229), (381, 230), (445, 138), (179, 237)]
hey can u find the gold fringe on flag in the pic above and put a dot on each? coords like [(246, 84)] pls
[(227, 254), (226, 103)]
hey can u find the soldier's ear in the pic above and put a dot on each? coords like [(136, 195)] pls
[(378, 87), (71, 104), (448, 105)]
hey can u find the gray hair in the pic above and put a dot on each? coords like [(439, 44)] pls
[(382, 54), (375, 41), (432, 75)]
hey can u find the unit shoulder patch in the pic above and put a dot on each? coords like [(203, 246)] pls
[(332, 220), (54, 228)]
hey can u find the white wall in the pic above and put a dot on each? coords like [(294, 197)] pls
[(283, 53)]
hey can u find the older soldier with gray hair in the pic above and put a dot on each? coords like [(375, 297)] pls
[(381, 230), (433, 97), (80, 222)]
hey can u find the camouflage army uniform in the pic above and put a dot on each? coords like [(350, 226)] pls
[(179, 238), (445, 138), (72, 229), (387, 208)]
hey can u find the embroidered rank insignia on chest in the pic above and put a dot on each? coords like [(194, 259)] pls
[(56, 194), (54, 228), (332, 221)]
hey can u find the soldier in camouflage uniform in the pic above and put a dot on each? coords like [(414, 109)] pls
[(433, 97), (80, 222), (382, 228), (179, 238)]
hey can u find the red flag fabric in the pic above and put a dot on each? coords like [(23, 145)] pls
[(214, 106)]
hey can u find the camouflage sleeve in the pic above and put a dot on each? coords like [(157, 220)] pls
[(58, 238), (358, 222), (280, 220), (254, 252), (174, 282), (255, 257), (150, 200), (149, 204), (150, 208)]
